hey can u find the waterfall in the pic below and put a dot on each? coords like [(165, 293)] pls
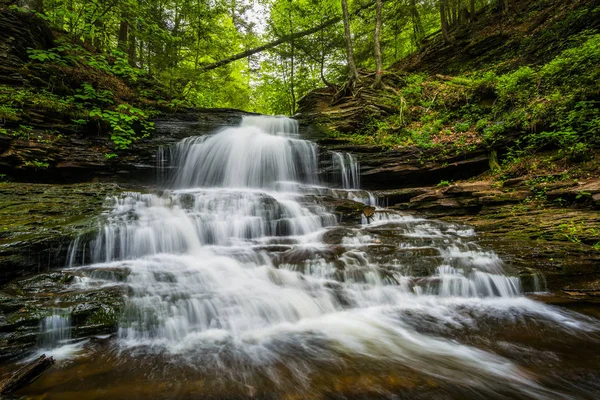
[(258, 154), (348, 168), (55, 329), (241, 265)]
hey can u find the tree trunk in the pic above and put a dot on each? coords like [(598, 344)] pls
[(472, 9), (418, 29), (71, 25), (123, 30), (378, 62), (141, 53), (98, 41), (443, 11), (322, 60), (131, 50), (456, 16), (174, 50), (352, 72), (292, 55)]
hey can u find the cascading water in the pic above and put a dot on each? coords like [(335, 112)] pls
[(55, 329), (242, 273), (348, 166)]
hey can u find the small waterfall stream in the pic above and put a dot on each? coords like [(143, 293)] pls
[(242, 272)]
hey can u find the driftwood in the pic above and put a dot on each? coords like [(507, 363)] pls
[(26, 375)]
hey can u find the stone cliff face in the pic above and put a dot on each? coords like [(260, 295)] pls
[(80, 156), (19, 32), (410, 166)]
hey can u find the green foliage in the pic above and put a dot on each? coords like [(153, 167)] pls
[(444, 183), (516, 87), (482, 124), (462, 127), (88, 95), (122, 122), (118, 65), (8, 113), (45, 56), (14, 100), (578, 65), (37, 164)]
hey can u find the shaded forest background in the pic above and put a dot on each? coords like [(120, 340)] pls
[(517, 76), (174, 41)]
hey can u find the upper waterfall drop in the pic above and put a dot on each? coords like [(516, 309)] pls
[(260, 153)]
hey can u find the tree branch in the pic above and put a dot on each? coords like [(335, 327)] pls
[(275, 43)]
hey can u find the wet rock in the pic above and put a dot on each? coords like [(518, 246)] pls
[(405, 168), (426, 197), (467, 188), (97, 311), (336, 235), (39, 222), (348, 212), (26, 302), (300, 255), (553, 241)]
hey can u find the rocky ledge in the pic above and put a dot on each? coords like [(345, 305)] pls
[(545, 225), (80, 156), (39, 222)]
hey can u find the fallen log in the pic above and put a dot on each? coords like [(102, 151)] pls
[(26, 374)]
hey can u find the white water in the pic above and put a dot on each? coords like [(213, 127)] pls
[(55, 328), (234, 258), (347, 164)]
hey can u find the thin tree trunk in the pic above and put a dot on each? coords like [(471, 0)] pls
[(71, 11), (378, 62), (141, 53), (443, 11), (322, 60), (352, 72), (174, 59), (418, 29), (123, 30), (131, 50), (472, 10), (455, 18), (292, 89)]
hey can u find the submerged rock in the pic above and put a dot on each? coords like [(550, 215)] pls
[(27, 303)]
